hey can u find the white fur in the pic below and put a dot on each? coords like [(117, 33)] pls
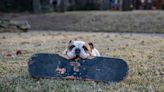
[(83, 54), (95, 52)]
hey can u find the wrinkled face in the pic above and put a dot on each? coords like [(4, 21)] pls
[(78, 49)]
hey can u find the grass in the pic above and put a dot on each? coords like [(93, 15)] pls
[(96, 21), (144, 54)]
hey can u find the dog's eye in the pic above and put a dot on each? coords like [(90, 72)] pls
[(85, 48), (71, 47)]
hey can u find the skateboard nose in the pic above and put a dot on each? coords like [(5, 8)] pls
[(77, 51)]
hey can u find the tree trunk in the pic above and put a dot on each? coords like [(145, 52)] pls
[(125, 5), (37, 8), (62, 6), (159, 4)]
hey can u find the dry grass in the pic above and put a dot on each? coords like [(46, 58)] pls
[(143, 52), (107, 21)]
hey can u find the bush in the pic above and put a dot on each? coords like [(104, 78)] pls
[(15, 5)]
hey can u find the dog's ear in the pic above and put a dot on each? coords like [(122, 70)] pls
[(91, 45), (70, 42)]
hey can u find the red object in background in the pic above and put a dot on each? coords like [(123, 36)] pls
[(18, 52)]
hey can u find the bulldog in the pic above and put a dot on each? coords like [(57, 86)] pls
[(77, 50), (80, 50)]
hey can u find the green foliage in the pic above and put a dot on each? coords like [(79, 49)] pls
[(27, 5), (15, 5), (86, 6)]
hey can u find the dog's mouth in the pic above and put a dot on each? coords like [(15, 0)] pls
[(77, 57)]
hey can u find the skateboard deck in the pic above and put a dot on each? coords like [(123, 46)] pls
[(46, 65)]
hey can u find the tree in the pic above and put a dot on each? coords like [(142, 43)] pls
[(126, 5), (62, 6), (37, 6)]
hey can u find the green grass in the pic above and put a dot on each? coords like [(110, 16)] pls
[(144, 54)]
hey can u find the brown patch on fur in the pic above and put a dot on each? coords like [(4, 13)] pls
[(89, 49), (91, 45)]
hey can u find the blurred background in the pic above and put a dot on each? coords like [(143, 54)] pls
[(82, 15), (40, 6)]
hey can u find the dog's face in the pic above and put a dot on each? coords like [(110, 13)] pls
[(78, 49)]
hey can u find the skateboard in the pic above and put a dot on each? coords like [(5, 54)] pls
[(105, 69)]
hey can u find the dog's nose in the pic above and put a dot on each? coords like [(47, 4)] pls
[(77, 51)]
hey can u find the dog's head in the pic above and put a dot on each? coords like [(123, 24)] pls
[(79, 49)]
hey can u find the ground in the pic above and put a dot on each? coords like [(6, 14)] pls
[(108, 21), (144, 54)]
